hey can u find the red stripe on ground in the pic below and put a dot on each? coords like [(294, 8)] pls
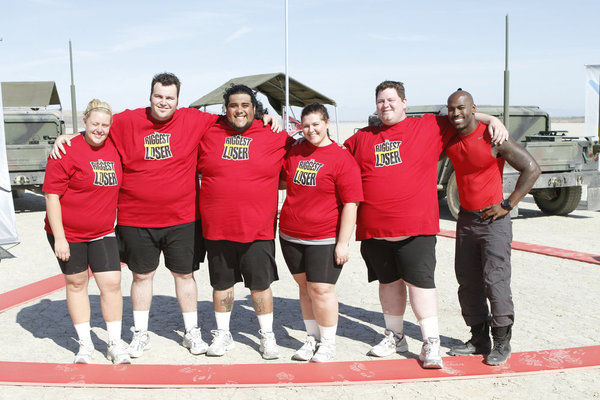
[(30, 292), (545, 250), (447, 233), (34, 291), (556, 252), (290, 374)]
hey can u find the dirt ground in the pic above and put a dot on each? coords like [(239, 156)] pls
[(556, 307)]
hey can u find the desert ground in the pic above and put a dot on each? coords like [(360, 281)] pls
[(556, 307)]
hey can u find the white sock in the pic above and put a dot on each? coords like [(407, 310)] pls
[(265, 322), (190, 320), (223, 320), (140, 320), (114, 331), (394, 323), (83, 332), (328, 333), (429, 328), (312, 328)]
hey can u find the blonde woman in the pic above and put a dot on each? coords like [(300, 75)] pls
[(81, 191)]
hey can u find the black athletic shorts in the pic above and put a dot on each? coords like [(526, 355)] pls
[(231, 262), (101, 255), (182, 247), (317, 261), (412, 260)]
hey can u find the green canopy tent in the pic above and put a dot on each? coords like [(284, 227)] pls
[(273, 87), (29, 94)]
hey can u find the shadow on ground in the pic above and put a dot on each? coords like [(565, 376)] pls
[(49, 319)]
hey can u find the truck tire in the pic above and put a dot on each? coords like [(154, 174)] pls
[(452, 196), (562, 200)]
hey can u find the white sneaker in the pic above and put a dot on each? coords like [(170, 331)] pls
[(139, 343), (85, 353), (193, 341), (325, 352), (307, 351), (390, 344), (222, 341), (268, 345), (117, 353), (430, 353)]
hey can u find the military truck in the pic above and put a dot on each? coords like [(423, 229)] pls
[(568, 162), (32, 121)]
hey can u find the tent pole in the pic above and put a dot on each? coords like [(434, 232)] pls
[(287, 77), (337, 125), (73, 101)]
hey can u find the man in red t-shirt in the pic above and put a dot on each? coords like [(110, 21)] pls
[(484, 229), (157, 213), (240, 162), (398, 219)]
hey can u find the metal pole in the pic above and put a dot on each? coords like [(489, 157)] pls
[(73, 101), (506, 81), (337, 125), (287, 77)]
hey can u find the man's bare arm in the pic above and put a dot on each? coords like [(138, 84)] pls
[(529, 171), (274, 121), (59, 145), (497, 130)]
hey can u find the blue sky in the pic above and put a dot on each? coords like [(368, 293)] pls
[(341, 48)]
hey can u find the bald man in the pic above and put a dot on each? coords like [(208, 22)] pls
[(484, 229)]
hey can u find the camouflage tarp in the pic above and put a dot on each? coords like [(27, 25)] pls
[(273, 87)]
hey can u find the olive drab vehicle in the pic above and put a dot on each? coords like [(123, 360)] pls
[(567, 162), (32, 121)]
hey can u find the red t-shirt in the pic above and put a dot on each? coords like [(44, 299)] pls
[(478, 172), (160, 183), (399, 174), (319, 181), (240, 177), (88, 179)]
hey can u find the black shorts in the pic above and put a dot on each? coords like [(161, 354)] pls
[(412, 260), (317, 261), (182, 246), (101, 255), (231, 262)]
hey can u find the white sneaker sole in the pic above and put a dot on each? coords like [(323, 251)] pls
[(268, 356), (195, 351), (138, 353), (211, 353)]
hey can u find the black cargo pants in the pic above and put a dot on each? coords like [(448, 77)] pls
[(482, 267)]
